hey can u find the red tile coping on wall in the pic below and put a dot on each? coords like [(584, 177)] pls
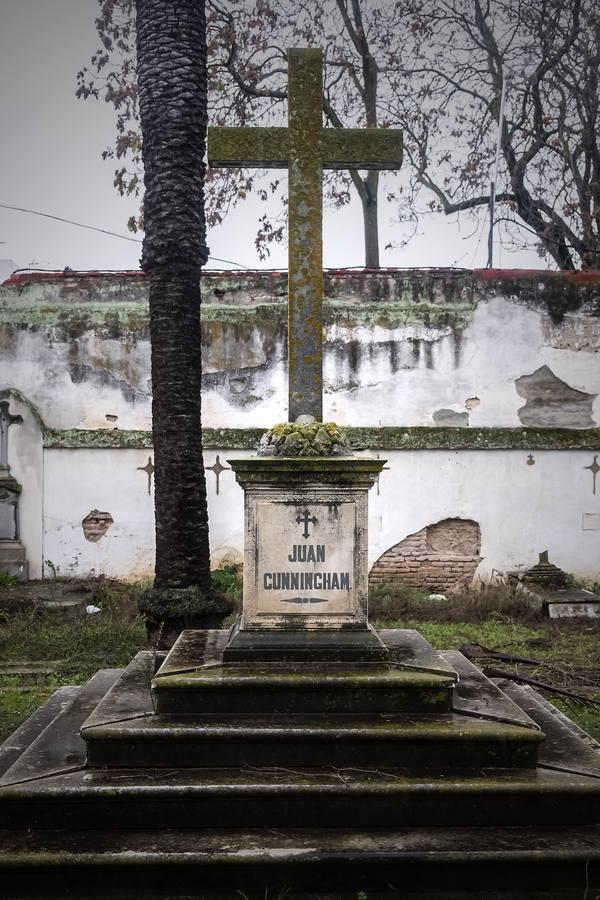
[(586, 277)]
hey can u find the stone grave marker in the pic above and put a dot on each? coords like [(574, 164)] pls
[(305, 555), (414, 770), (12, 553), (305, 562)]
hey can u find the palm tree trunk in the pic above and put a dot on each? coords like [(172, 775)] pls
[(171, 48)]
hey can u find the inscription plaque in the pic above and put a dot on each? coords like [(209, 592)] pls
[(305, 557)]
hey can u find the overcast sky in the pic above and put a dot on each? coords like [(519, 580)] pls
[(50, 160)]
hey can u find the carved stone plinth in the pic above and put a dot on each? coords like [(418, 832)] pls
[(305, 550), (13, 560), (305, 559)]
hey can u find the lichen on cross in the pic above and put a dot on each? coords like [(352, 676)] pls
[(305, 148)]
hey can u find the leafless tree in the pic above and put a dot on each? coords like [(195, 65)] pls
[(435, 68)]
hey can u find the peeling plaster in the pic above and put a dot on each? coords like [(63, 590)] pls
[(450, 418), (553, 403)]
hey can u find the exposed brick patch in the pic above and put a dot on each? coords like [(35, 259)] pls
[(96, 524), (437, 558)]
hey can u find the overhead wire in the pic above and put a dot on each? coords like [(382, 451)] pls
[(124, 237)]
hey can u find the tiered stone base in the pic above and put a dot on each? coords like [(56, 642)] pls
[(417, 775)]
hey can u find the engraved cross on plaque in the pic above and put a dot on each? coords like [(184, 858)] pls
[(307, 519), (305, 148), (6, 420)]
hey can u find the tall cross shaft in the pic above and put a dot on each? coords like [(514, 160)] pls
[(305, 148)]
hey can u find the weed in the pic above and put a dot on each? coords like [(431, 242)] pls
[(16, 705), (228, 582), (397, 601), (7, 580), (574, 583)]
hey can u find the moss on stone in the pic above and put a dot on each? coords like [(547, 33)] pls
[(184, 603), (384, 438), (120, 319), (257, 314), (248, 146), (96, 439), (72, 320), (295, 439), (432, 438), (391, 438), (399, 314)]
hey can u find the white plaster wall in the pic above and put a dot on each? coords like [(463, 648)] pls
[(504, 341), (25, 458), (79, 481), (38, 367), (522, 509), (263, 403)]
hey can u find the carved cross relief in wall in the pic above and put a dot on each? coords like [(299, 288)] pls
[(594, 469), (149, 470), (217, 468)]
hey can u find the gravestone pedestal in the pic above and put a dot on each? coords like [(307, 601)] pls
[(305, 561), (13, 559), (12, 553)]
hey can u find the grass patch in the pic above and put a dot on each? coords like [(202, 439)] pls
[(16, 706), (507, 620), (394, 602), (78, 645)]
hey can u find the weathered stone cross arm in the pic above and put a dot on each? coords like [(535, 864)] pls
[(305, 148), (341, 148)]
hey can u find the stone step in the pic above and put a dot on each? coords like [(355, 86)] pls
[(430, 864), (310, 689), (280, 797), (59, 746), (416, 743), (568, 749), (15, 745)]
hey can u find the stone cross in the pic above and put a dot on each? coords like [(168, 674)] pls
[(6, 420), (305, 148)]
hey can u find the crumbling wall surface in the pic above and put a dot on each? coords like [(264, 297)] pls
[(402, 347), (440, 557), (509, 360), (520, 503)]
